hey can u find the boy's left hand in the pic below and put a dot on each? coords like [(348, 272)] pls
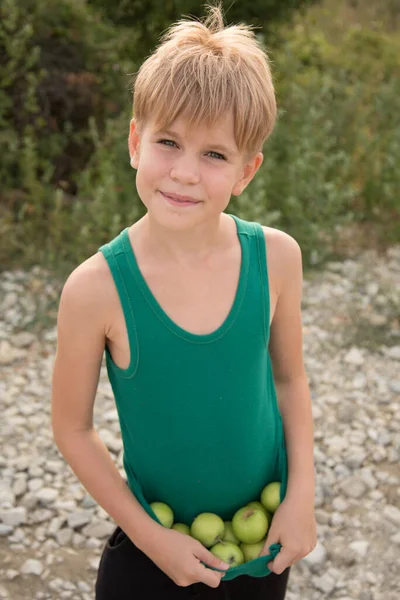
[(294, 527)]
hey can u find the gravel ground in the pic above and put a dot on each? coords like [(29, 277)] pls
[(52, 532)]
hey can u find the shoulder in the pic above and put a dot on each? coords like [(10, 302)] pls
[(88, 288), (283, 255)]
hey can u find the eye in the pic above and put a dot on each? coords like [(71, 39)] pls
[(167, 142), (217, 155)]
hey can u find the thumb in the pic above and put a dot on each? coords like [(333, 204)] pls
[(281, 561), (209, 559)]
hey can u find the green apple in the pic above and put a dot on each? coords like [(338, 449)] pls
[(252, 551), (207, 528), (163, 513), (270, 496), (229, 553), (182, 527), (249, 524), (229, 536), (258, 504)]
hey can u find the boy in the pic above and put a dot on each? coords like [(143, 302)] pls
[(193, 318)]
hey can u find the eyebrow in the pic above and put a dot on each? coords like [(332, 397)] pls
[(216, 147)]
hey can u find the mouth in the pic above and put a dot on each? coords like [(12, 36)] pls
[(180, 200)]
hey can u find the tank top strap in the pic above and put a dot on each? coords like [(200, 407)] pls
[(264, 279), (258, 252), (116, 258)]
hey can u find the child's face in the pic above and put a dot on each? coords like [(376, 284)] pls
[(201, 164)]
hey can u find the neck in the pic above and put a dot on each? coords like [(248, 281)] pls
[(181, 247)]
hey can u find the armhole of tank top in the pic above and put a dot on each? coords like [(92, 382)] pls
[(264, 279), (127, 310)]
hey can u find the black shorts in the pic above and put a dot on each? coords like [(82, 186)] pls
[(127, 573)]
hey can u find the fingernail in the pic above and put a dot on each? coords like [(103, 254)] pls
[(225, 565)]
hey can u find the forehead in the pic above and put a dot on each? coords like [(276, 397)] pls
[(219, 131)]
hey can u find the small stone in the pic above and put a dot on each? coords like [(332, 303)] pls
[(395, 386), (354, 487), (46, 495), (94, 564), (13, 516), (393, 352), (23, 339), (9, 354), (392, 513), (395, 539), (5, 529), (354, 357), (360, 547), (340, 504), (83, 586), (88, 502), (78, 519), (11, 574), (35, 484), (98, 529), (322, 516), (64, 536), (316, 558), (19, 487), (325, 583), (32, 567), (7, 496)]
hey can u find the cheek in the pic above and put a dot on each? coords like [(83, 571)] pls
[(148, 173)]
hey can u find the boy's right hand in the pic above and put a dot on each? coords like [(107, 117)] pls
[(179, 556)]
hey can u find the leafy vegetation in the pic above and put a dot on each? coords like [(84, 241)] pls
[(67, 185)]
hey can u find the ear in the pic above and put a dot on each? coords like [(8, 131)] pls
[(249, 170), (134, 144)]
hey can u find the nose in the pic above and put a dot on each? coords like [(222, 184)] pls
[(185, 170)]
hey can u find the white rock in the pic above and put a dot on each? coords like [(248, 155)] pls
[(395, 539), (99, 529), (64, 536), (317, 558), (79, 518), (325, 583), (32, 567), (11, 574), (354, 487), (393, 352), (5, 529), (13, 516), (360, 547), (46, 495), (392, 513), (19, 487), (94, 564), (23, 339), (7, 496), (354, 357)]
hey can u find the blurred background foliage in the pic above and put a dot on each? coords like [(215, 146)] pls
[(330, 175)]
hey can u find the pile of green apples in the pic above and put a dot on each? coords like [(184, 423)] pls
[(237, 541)]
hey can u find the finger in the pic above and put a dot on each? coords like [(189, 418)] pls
[(210, 559), (269, 542), (282, 560), (209, 577)]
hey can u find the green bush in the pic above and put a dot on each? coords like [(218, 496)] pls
[(332, 158), (58, 68), (150, 18), (331, 161)]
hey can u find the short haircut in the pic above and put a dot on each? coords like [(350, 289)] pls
[(201, 70)]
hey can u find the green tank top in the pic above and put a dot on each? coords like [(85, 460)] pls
[(200, 423)]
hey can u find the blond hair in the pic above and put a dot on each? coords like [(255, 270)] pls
[(201, 70)]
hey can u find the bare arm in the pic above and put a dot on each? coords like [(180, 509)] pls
[(289, 373), (81, 337)]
